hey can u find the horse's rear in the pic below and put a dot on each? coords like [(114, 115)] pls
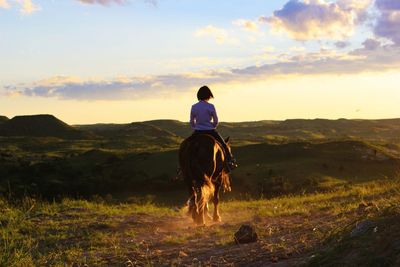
[(202, 163)]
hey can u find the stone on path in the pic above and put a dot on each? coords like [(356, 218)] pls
[(362, 228), (246, 234)]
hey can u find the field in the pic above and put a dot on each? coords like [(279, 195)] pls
[(307, 230), (319, 193)]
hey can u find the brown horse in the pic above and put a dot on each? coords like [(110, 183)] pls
[(202, 160)]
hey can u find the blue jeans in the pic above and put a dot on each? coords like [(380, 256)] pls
[(220, 140)]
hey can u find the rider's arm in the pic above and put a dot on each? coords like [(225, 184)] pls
[(192, 118), (214, 116)]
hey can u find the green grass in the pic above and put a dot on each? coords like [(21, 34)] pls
[(35, 232), (41, 233), (300, 182), (378, 246), (76, 168)]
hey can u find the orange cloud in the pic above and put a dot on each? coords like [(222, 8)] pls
[(246, 24), (24, 6), (4, 4), (220, 35)]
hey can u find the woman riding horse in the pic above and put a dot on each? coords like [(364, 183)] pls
[(204, 120), (205, 159)]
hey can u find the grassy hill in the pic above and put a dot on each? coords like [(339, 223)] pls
[(3, 119), (318, 129), (279, 131), (136, 136), (265, 170), (141, 157), (41, 126), (172, 131), (113, 200)]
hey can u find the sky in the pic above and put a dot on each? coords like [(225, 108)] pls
[(101, 61)]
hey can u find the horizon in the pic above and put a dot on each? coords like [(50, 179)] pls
[(167, 119), (124, 61)]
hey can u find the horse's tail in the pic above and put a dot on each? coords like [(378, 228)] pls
[(207, 191), (202, 185)]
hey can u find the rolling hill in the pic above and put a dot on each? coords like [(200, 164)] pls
[(274, 132), (306, 186), (275, 157), (41, 126), (267, 131), (265, 170), (136, 129), (3, 119)]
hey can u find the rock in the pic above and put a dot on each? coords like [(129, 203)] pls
[(246, 234), (396, 245), (183, 254), (362, 228)]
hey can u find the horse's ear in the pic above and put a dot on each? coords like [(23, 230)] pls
[(227, 139)]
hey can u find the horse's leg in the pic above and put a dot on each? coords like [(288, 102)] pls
[(193, 208), (206, 212), (216, 216), (200, 203)]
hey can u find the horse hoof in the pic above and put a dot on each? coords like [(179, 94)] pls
[(217, 219)]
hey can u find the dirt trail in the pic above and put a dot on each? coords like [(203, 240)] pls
[(176, 241)]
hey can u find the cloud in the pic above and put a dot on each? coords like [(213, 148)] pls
[(389, 5), (371, 44), (317, 19), (246, 24), (24, 6), (118, 2), (372, 57), (27, 6), (220, 35), (358, 7), (103, 2), (388, 23), (121, 88), (4, 4), (342, 44), (328, 62)]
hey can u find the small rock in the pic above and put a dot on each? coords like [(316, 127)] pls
[(182, 254), (274, 259), (362, 228), (396, 245), (246, 234)]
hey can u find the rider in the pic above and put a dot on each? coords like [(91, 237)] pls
[(204, 120)]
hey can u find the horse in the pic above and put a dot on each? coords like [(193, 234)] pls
[(202, 164)]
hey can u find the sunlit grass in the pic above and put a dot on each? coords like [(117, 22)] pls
[(35, 232)]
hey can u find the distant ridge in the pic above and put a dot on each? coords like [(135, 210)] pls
[(262, 131), (3, 119), (41, 126)]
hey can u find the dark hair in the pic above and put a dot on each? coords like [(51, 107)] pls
[(204, 93)]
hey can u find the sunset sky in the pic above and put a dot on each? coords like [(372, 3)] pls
[(91, 61)]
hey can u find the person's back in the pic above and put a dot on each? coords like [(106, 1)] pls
[(203, 116)]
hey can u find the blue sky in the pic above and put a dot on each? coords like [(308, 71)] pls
[(70, 38), (136, 56)]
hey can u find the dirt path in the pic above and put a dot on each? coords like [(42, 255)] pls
[(175, 241)]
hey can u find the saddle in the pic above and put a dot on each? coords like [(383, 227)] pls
[(230, 162)]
